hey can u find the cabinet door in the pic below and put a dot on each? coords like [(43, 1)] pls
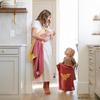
[(8, 75)]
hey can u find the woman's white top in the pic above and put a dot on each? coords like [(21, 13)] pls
[(48, 72), (36, 24)]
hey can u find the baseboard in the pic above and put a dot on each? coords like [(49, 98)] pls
[(29, 88), (82, 88)]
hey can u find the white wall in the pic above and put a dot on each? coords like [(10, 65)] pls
[(7, 25), (57, 30), (86, 28), (28, 64)]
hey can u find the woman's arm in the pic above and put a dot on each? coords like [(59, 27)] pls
[(35, 35)]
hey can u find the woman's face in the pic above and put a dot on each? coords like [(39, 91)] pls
[(49, 17)]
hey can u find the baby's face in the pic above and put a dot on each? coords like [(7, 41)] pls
[(68, 52), (52, 31)]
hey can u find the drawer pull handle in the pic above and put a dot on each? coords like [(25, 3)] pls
[(3, 51), (91, 84), (90, 59), (91, 70), (90, 50)]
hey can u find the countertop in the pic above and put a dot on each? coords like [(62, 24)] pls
[(13, 45), (93, 44)]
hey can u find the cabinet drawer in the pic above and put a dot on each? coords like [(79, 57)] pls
[(91, 50), (91, 84), (91, 54), (92, 64), (91, 59), (9, 51), (91, 70)]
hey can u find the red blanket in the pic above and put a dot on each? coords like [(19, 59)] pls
[(39, 60), (65, 77)]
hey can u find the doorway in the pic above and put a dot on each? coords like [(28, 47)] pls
[(37, 7), (65, 22), (68, 36), (68, 27)]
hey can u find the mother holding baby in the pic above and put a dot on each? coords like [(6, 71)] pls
[(43, 22)]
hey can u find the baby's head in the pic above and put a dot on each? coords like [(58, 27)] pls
[(70, 52), (52, 31)]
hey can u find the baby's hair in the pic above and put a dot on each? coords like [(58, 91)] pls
[(72, 52)]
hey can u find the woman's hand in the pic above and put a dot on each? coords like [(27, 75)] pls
[(53, 32), (36, 36), (46, 39), (48, 33)]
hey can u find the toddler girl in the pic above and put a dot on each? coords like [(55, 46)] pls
[(69, 60)]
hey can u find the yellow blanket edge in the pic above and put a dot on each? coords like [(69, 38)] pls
[(32, 56)]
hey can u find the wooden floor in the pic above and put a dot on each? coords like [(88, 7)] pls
[(56, 94)]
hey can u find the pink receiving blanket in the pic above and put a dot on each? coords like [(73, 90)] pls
[(39, 60)]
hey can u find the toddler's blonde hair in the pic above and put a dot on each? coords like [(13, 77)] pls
[(72, 52)]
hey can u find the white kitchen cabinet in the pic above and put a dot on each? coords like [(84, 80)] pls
[(12, 72), (8, 75), (93, 61), (97, 82)]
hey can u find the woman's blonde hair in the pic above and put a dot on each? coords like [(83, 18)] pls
[(43, 16), (72, 52)]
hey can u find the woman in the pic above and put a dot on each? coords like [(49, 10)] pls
[(43, 21)]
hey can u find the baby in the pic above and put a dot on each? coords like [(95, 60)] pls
[(69, 60), (50, 33)]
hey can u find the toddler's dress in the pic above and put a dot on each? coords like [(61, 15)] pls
[(71, 62)]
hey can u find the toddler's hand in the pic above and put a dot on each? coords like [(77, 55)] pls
[(73, 67)]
